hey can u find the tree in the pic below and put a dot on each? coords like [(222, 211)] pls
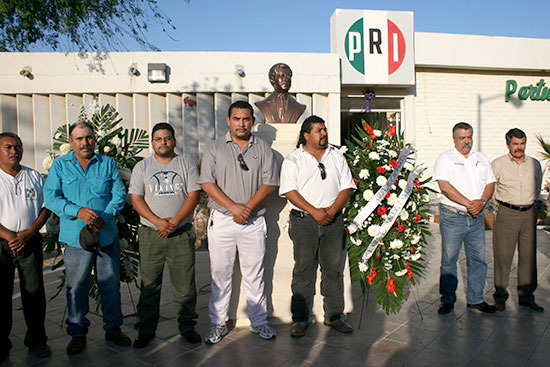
[(88, 25)]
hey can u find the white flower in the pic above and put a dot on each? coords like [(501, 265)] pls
[(392, 199), (426, 198), (65, 148), (400, 273), (364, 174), (392, 153), (355, 205), (396, 244), (368, 194), (57, 135), (404, 215), (47, 162), (416, 256), (363, 267), (402, 184), (383, 143), (395, 257), (356, 242), (388, 266), (107, 149), (416, 238), (355, 161), (374, 156), (116, 141), (101, 133), (378, 133), (381, 180), (373, 230), (408, 166), (412, 205)]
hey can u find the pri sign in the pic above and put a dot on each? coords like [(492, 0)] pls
[(376, 47)]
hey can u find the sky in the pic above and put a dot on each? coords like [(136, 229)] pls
[(304, 25)]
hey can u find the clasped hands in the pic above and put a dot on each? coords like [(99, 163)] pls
[(89, 216), (475, 207)]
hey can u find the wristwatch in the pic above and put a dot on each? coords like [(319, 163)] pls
[(484, 201)]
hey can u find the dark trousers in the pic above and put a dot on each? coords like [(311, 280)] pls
[(178, 252), (31, 283), (313, 245), (515, 228)]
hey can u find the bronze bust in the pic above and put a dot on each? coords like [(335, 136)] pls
[(280, 106)]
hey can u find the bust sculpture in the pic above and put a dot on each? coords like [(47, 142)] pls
[(280, 106)]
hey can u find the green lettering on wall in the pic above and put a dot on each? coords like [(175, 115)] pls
[(524, 92), (511, 87)]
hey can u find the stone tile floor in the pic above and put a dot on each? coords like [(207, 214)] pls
[(416, 336)]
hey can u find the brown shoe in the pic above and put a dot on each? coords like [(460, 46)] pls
[(118, 337), (298, 329), (340, 325), (76, 345)]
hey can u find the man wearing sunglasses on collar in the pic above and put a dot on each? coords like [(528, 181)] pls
[(238, 172), (317, 181)]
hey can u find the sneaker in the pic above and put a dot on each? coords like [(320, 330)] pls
[(118, 337), (264, 331), (40, 350), (216, 333)]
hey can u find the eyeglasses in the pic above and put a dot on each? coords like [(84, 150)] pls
[(323, 171), (242, 163)]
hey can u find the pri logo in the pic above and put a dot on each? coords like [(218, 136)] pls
[(363, 42)]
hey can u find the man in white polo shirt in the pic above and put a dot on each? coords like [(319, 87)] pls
[(466, 182), (317, 181), (22, 214)]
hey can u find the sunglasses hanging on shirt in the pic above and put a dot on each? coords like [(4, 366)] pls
[(323, 171), (242, 163)]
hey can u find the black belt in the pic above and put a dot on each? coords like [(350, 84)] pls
[(521, 208), (302, 214)]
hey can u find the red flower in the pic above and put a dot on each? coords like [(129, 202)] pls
[(409, 271), (382, 210), (391, 130), (391, 286), (416, 182), (387, 195), (378, 257), (413, 250), (381, 170), (418, 190), (347, 231), (401, 228), (368, 129), (417, 218), (393, 163), (372, 136), (372, 275), (355, 181), (367, 145)]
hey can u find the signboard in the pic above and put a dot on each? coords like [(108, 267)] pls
[(375, 47), (537, 92)]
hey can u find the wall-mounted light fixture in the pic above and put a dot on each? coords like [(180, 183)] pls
[(133, 70), (26, 72), (157, 73), (239, 70)]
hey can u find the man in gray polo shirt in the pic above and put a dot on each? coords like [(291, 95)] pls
[(238, 172), (164, 193)]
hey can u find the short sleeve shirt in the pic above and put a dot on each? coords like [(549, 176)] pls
[(21, 198), (517, 184), (220, 165), (300, 172), (468, 175), (164, 186)]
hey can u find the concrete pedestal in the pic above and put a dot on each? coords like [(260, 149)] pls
[(279, 260)]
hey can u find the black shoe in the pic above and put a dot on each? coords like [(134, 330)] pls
[(532, 305), (118, 337), (191, 336), (298, 329), (76, 345), (40, 350), (445, 308), (483, 307), (143, 340), (500, 306), (340, 325)]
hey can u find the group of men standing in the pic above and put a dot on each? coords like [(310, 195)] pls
[(238, 172), (467, 181)]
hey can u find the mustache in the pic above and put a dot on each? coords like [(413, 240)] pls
[(466, 145)]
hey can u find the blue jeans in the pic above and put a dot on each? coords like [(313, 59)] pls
[(78, 267), (455, 230)]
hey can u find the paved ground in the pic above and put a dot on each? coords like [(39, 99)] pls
[(515, 337)]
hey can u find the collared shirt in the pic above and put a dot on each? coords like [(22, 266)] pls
[(517, 184), (21, 198), (68, 188), (164, 186), (220, 165), (469, 176), (300, 172)]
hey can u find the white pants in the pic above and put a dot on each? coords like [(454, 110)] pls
[(225, 237)]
